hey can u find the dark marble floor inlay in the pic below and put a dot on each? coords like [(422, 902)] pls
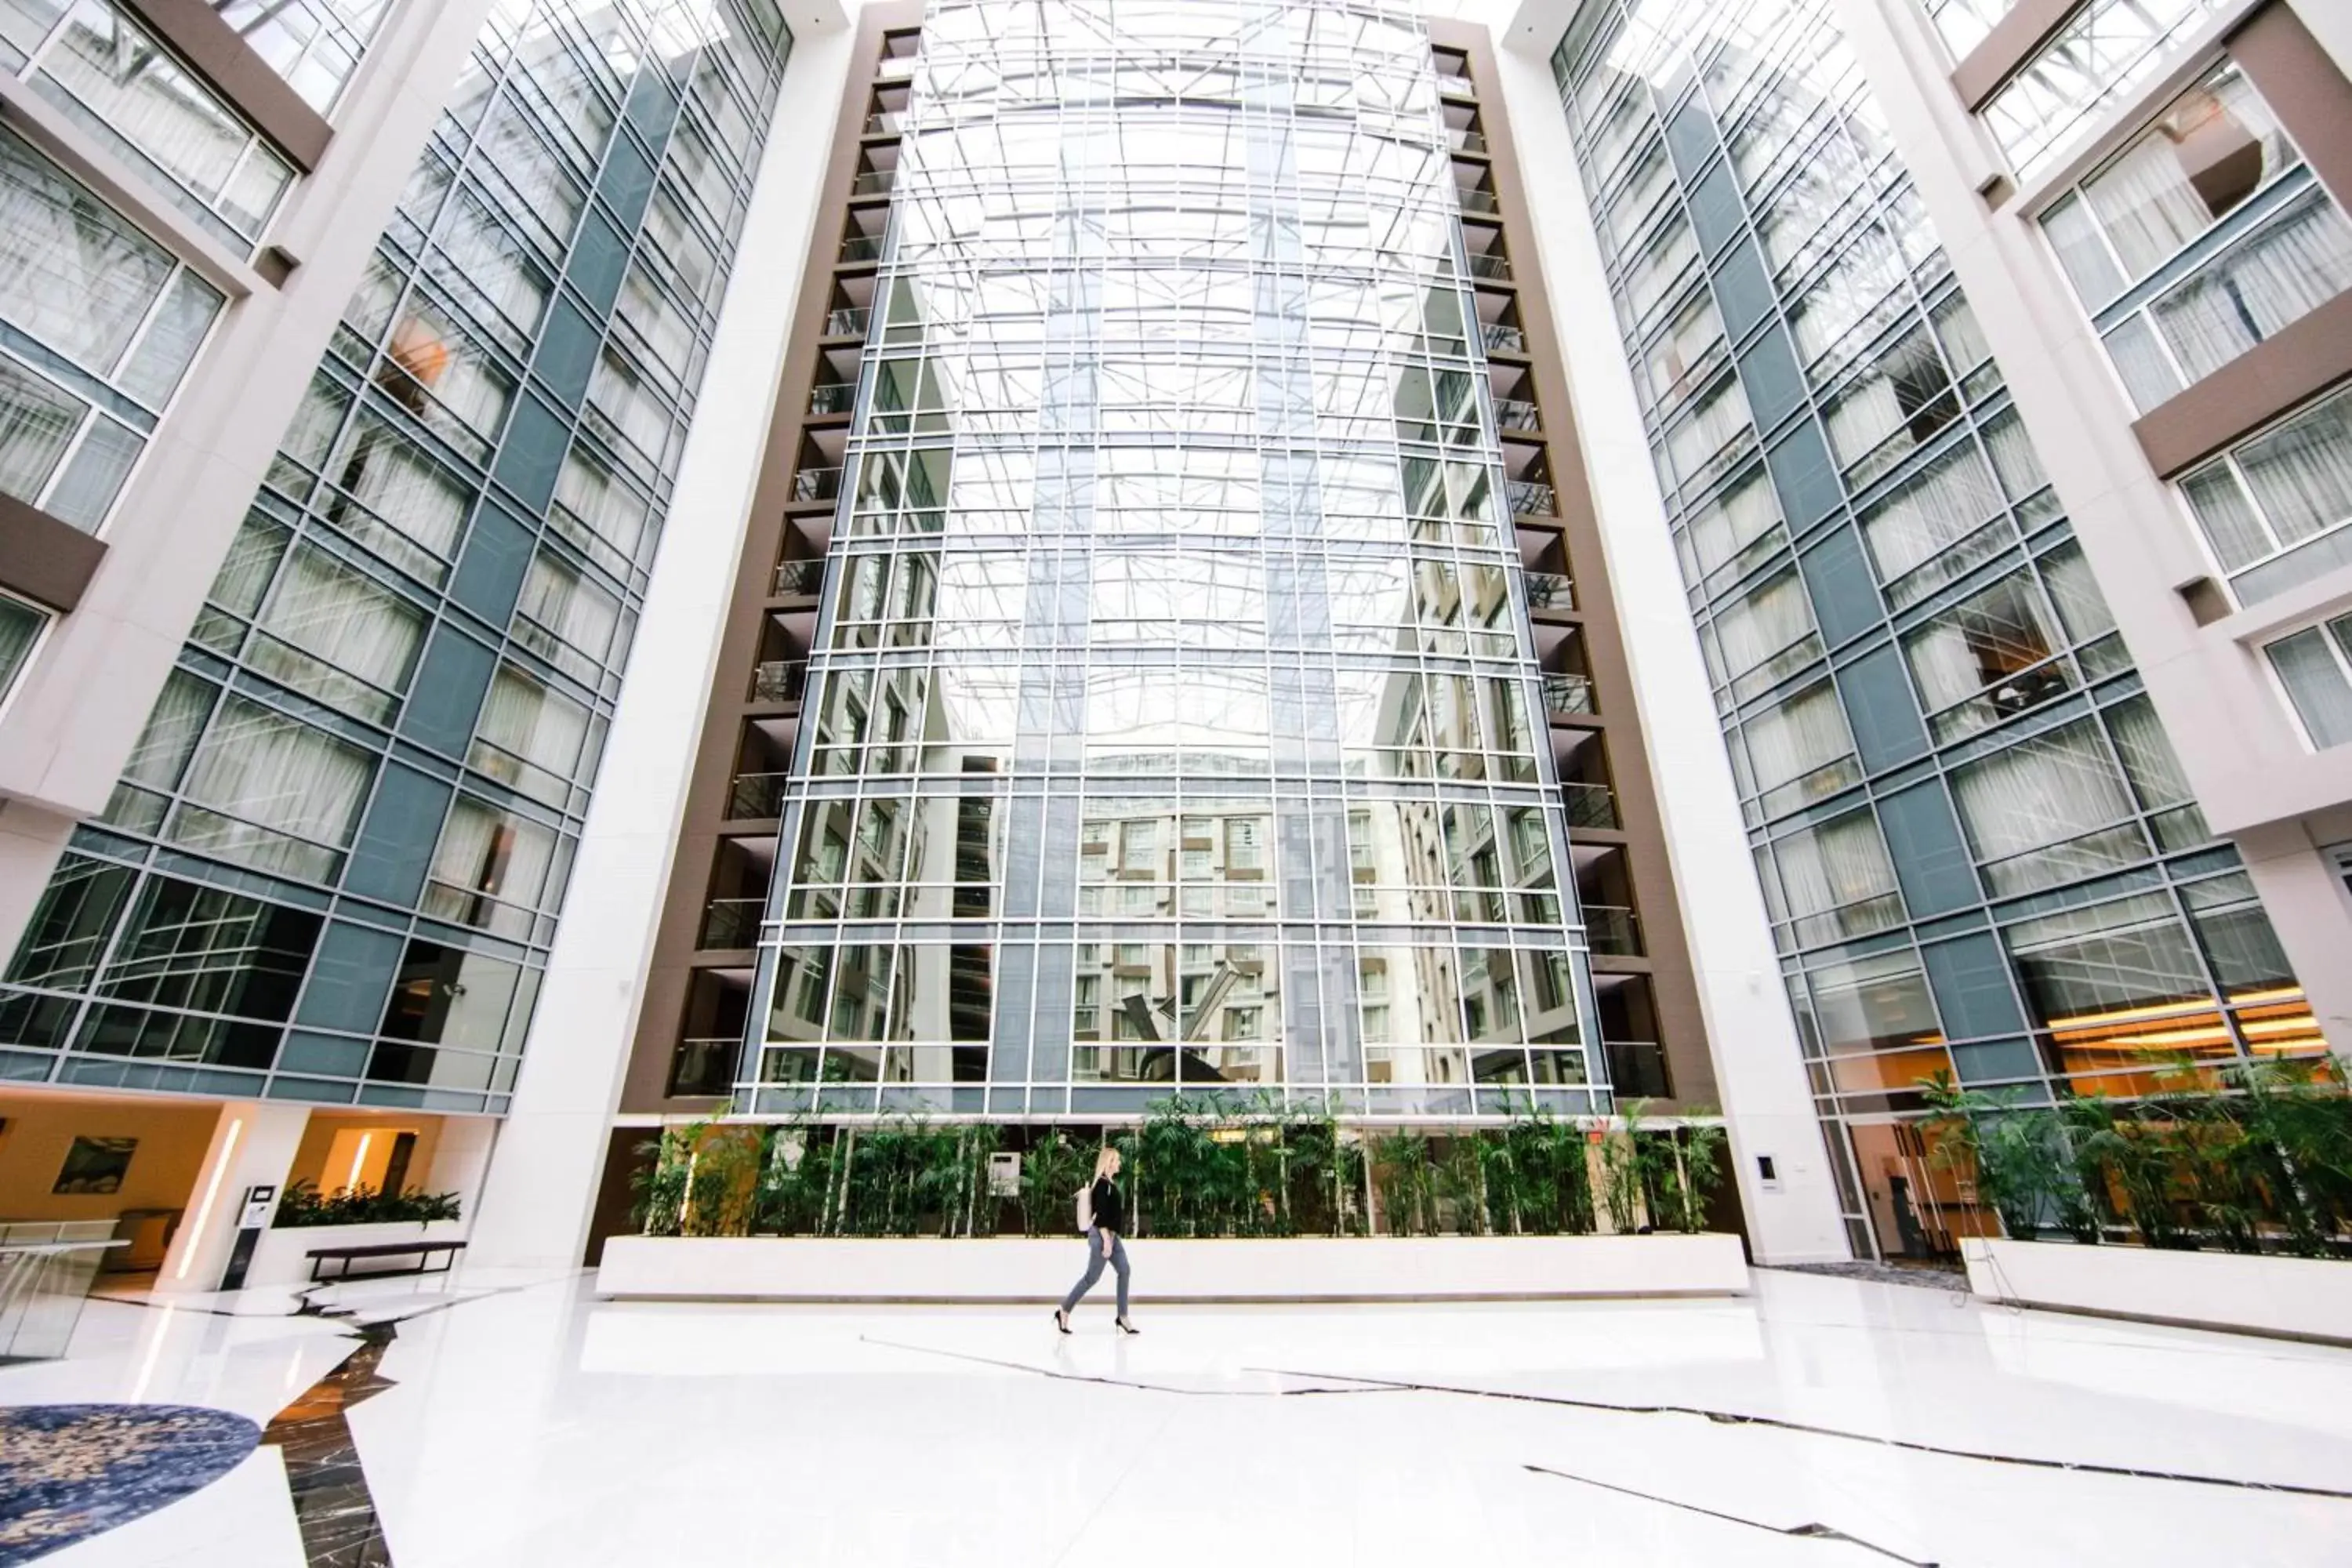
[(1332, 1383), (1135, 1384), (1802, 1531), (1776, 1423), (332, 1506), (71, 1471)]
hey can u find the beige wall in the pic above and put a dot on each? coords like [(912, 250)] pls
[(311, 1157), (172, 1136)]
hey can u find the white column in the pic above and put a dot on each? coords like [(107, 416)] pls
[(31, 839), (542, 1191), (253, 1145), (461, 1158), (1751, 1033), (2330, 22)]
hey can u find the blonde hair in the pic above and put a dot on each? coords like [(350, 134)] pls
[(1103, 1157)]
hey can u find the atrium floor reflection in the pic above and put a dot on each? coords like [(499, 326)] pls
[(1824, 1422)]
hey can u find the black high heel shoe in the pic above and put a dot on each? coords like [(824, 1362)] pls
[(1125, 1327), (1061, 1319)]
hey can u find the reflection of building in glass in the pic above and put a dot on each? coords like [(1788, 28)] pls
[(1172, 712), (1980, 847), (331, 868)]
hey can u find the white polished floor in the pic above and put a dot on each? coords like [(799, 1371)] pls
[(532, 1425)]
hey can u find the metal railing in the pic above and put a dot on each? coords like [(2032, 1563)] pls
[(1517, 413), (799, 577), (1612, 930), (1637, 1069), (1475, 200), (755, 797), (1567, 693), (835, 397), (1491, 264), (46, 1270), (1590, 804), (731, 924), (1503, 338), (872, 183), (779, 679), (703, 1066), (1470, 141), (817, 484), (1531, 498), (885, 122), (1550, 591), (859, 247), (848, 321), (1455, 83)]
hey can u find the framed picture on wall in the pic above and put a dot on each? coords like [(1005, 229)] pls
[(95, 1165)]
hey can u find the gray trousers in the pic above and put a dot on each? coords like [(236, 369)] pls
[(1094, 1268)]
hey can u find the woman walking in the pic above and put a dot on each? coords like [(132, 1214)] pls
[(1105, 1241)]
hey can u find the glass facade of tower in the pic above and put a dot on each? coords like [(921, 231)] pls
[(1975, 841), (331, 868), (1173, 720)]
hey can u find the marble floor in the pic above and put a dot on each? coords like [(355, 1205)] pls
[(1822, 1422)]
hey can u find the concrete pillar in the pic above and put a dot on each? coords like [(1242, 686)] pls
[(1751, 1035), (253, 1142), (2330, 22), (31, 839), (540, 1192)]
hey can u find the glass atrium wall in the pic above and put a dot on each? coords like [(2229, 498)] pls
[(1173, 721), (331, 869), (1973, 836)]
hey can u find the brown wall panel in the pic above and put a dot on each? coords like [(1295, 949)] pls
[(2299, 80), (669, 974), (218, 53), (2304, 359), (1682, 1027), (616, 1189), (44, 559), (2010, 48)]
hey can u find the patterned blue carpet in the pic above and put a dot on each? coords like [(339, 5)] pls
[(71, 1471)]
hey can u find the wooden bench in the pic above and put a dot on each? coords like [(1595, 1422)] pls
[(421, 1250)]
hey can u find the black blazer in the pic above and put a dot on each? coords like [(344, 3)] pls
[(1110, 1209)]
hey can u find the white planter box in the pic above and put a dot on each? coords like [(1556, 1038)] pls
[(282, 1258), (1367, 1268), (2303, 1298)]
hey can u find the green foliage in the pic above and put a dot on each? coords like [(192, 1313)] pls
[(1462, 1189), (1052, 1172), (1322, 1175), (1195, 1166), (795, 1191), (1209, 1166), (2263, 1165), (1406, 1179), (1626, 1170), (304, 1206), (1535, 1180), (2264, 1162), (659, 1186), (1684, 1167), (2018, 1156), (701, 1179), (906, 1177)]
